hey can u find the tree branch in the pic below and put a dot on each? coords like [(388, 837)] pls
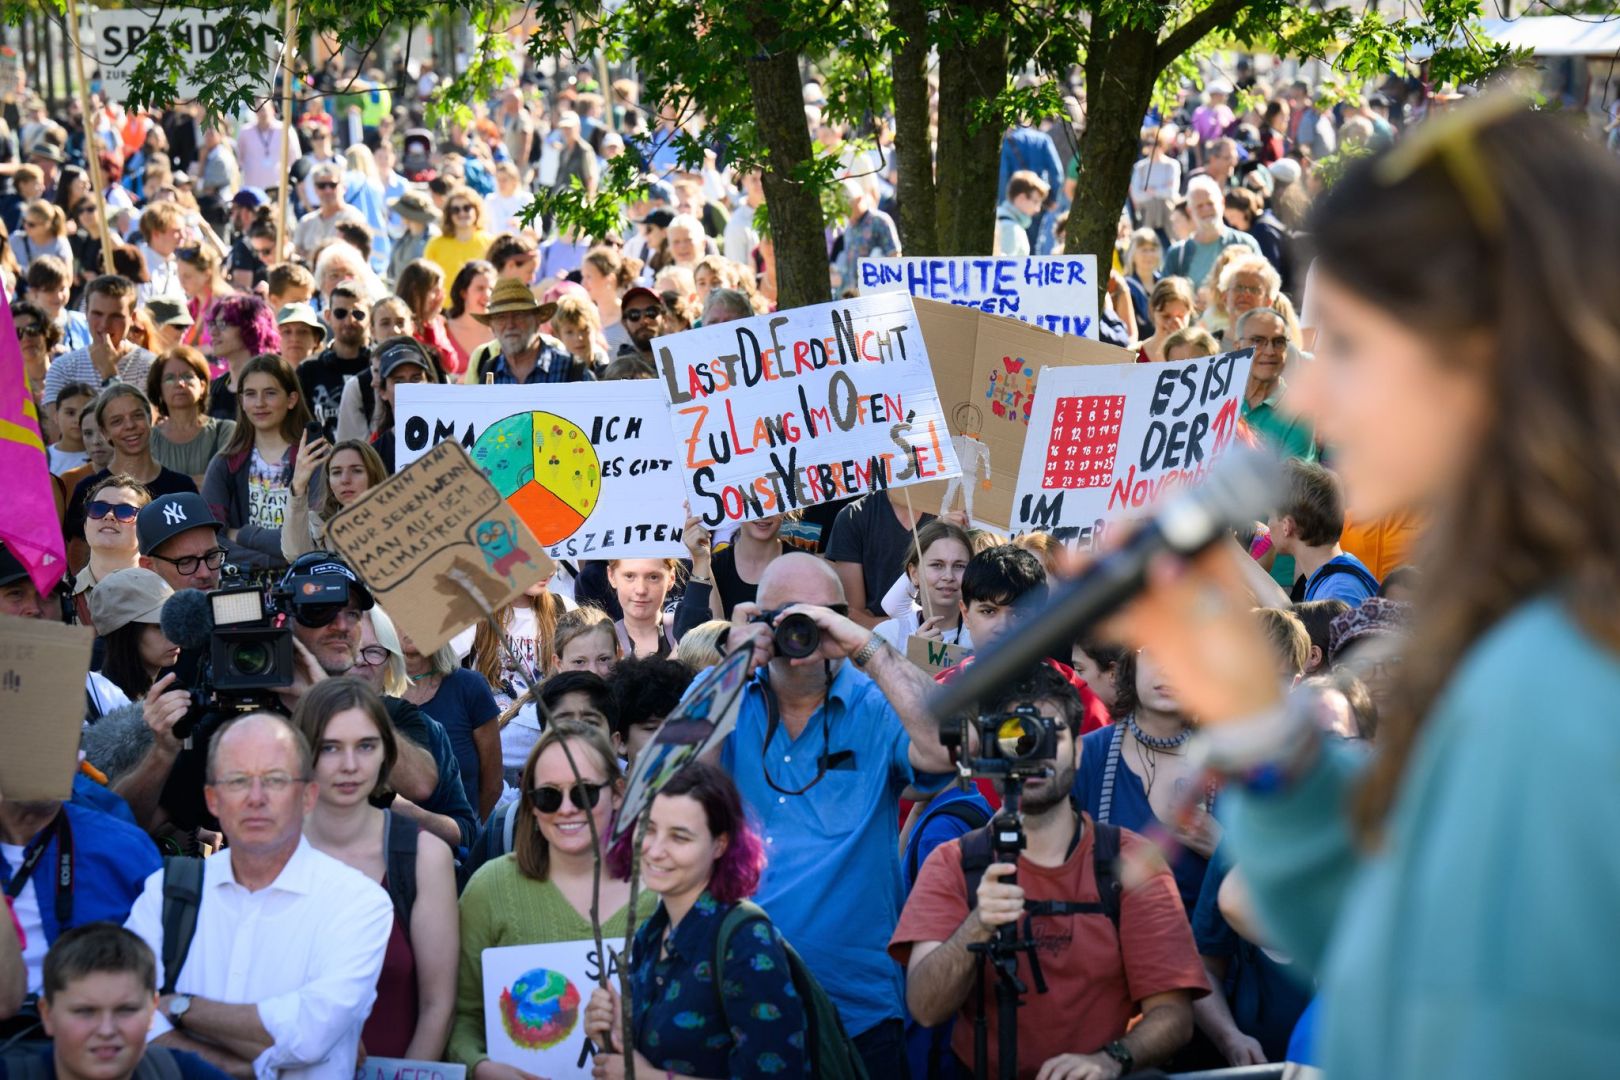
[(1193, 30)]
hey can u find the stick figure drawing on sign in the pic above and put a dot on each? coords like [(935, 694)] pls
[(972, 455)]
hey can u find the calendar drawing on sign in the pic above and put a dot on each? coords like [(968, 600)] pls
[(1085, 441)]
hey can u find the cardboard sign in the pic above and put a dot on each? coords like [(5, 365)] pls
[(1054, 292), (986, 367), (114, 35), (699, 724), (437, 547), (803, 407), (42, 669), (589, 467), (382, 1068), (1107, 442), (534, 1005), (934, 656)]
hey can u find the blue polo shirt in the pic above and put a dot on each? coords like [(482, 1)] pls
[(832, 873)]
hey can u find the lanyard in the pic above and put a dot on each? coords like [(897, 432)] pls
[(35, 852), (829, 759)]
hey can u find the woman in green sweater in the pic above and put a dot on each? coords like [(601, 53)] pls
[(541, 892), (1456, 895)]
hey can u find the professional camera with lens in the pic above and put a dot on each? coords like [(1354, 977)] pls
[(1019, 744), (795, 636), (251, 648)]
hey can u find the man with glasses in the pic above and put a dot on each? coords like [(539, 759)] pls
[(323, 376), (641, 311), (179, 541), (282, 968), (525, 354), (1266, 332), (321, 223)]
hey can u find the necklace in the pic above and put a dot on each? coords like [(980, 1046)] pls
[(1153, 742)]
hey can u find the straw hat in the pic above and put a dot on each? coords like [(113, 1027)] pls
[(512, 295)]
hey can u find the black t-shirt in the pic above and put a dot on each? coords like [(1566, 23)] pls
[(168, 482), (733, 589), (867, 532), (243, 257), (221, 398), (323, 376)]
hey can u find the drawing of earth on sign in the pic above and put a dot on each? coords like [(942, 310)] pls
[(540, 1009), (545, 468)]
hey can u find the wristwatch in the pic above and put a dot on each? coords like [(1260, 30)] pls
[(178, 1007), (869, 650), (1122, 1054)]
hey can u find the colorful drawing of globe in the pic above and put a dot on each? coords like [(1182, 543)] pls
[(540, 1009), (545, 468)]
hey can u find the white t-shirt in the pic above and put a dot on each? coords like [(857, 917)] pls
[(26, 907), (502, 210), (63, 460)]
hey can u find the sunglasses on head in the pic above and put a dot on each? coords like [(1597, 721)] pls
[(124, 512), (30, 330), (549, 800), (341, 313), (637, 314)]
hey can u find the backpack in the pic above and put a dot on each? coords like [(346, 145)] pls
[(400, 840), (832, 1051), (1328, 570), (966, 811), (977, 855), (158, 1063)]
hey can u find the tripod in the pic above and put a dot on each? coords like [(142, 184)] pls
[(1000, 953)]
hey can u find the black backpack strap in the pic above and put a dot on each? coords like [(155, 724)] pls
[(182, 902), (966, 811), (400, 841), (1105, 863), (158, 1063)]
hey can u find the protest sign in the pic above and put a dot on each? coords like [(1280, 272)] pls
[(115, 34), (786, 411), (699, 723), (588, 466), (1054, 292), (42, 669), (986, 368), (534, 1005), (1107, 441), (933, 655), (383, 1068), (437, 547)]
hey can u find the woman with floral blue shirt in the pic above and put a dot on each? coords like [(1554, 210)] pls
[(701, 857)]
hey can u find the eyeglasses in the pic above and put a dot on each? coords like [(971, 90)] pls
[(1280, 344), (325, 185), (30, 330), (340, 313), (95, 510), (374, 656), (549, 800), (637, 314), (1248, 290), (180, 377), (188, 564), (464, 208), (271, 783)]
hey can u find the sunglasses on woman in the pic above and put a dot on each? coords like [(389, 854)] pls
[(124, 512), (548, 799)]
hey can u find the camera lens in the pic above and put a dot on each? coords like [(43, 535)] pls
[(797, 636), (1017, 738), (253, 658)]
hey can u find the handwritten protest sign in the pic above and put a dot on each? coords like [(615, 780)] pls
[(934, 656), (1054, 292), (383, 1068), (699, 723), (534, 1005), (42, 670), (438, 547), (986, 368), (1108, 441), (809, 405), (589, 467)]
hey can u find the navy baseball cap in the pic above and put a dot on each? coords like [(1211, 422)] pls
[(170, 515)]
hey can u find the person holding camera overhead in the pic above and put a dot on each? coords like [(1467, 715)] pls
[(831, 730), (1130, 952)]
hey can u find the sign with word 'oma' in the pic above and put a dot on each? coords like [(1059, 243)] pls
[(802, 407), (1054, 292), (1106, 442)]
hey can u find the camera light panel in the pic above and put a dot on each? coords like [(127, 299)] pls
[(238, 606)]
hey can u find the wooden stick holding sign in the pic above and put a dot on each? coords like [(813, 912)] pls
[(92, 157), (289, 53), (922, 589)]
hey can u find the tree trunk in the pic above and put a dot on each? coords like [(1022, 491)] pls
[(796, 223), (917, 193), (1121, 68), (972, 70)]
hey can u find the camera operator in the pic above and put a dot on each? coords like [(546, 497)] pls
[(1098, 975), (826, 787)]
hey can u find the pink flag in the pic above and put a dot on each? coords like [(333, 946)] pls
[(29, 526)]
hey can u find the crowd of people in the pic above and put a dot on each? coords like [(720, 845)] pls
[(218, 385)]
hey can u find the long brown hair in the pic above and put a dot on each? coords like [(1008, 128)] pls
[(331, 696), (528, 845), (1503, 257), (298, 415), (489, 656)]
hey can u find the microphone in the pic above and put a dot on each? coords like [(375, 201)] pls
[(1240, 488), (187, 619)]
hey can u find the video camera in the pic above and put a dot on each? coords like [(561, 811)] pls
[(1016, 745)]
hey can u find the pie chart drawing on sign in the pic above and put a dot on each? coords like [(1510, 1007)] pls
[(545, 468)]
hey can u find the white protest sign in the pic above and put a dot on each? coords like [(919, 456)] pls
[(588, 466), (534, 1005), (1105, 442), (818, 403), (383, 1068), (115, 36), (1055, 292)]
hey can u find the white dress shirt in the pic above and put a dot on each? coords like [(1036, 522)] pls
[(307, 949)]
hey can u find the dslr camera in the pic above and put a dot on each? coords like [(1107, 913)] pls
[(1018, 745), (795, 636)]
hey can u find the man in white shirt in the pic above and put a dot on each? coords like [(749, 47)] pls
[(282, 971), (320, 224), (258, 149), (163, 230)]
